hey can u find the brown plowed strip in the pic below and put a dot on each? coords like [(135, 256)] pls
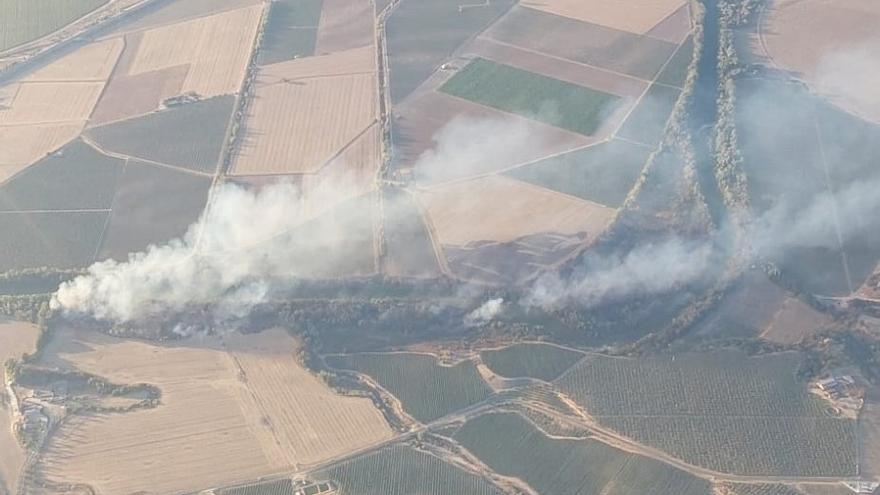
[(133, 96), (575, 73), (674, 28), (345, 24)]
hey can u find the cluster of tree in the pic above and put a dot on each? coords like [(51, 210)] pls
[(34, 280), (32, 308)]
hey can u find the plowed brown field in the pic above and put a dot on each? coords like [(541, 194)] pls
[(635, 16)]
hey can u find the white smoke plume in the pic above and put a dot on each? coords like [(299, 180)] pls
[(241, 240), (647, 269), (487, 312), (852, 74)]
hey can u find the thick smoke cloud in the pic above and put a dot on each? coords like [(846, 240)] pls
[(243, 238), (487, 312)]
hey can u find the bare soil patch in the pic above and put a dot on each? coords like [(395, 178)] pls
[(583, 42), (591, 77), (634, 16), (821, 41), (345, 24), (132, 96)]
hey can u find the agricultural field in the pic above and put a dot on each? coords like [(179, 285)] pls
[(794, 322), (603, 173), (138, 219), (189, 136), (291, 31), (345, 24), (409, 248), (541, 361), (307, 422), (637, 17), (217, 49), (819, 42), (92, 62), (756, 489), (332, 243), (647, 121), (27, 20), (747, 309), (512, 446), (16, 339), (423, 34), (552, 101), (77, 177), (436, 137), (230, 411), (279, 487), (403, 470), (426, 389), (638, 56), (306, 112), (675, 72), (537, 228), (57, 239), (528, 210), (176, 11), (794, 133), (127, 97), (25, 144), (692, 406)]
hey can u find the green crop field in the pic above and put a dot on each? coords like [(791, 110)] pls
[(277, 487), (402, 470), (541, 361), (77, 177), (603, 173), (291, 30), (57, 240), (512, 446), (426, 389), (675, 72), (189, 136), (695, 405), (647, 122), (424, 33), (26, 20), (559, 103)]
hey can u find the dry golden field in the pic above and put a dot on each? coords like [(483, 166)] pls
[(225, 415), (93, 62), (307, 422), (16, 338), (179, 11), (25, 144), (636, 16), (307, 111), (51, 102), (499, 209), (217, 47), (821, 41), (350, 174)]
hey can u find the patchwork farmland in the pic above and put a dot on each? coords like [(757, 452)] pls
[(27, 20)]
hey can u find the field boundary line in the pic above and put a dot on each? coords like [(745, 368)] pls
[(109, 214), (442, 261), (123, 32), (107, 80), (46, 212), (591, 66), (289, 80), (340, 151), (428, 187), (88, 140)]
